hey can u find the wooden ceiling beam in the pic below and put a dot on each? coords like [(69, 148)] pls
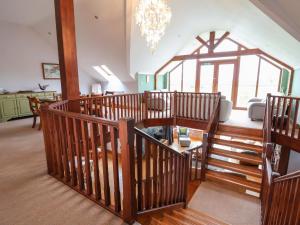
[(202, 41), (254, 51), (212, 36), (225, 35)]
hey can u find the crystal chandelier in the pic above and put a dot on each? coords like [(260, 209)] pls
[(153, 16)]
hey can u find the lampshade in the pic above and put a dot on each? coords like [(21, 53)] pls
[(96, 89)]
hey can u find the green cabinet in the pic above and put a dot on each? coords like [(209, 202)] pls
[(8, 107), (17, 105)]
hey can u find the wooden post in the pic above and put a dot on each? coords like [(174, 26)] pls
[(175, 108), (284, 160), (126, 134), (66, 41), (47, 137), (186, 172), (203, 156), (145, 105)]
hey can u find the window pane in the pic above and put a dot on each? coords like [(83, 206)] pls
[(225, 79), (247, 79), (206, 78), (175, 79), (269, 79), (189, 75)]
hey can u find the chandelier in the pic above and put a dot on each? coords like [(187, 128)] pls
[(153, 16)]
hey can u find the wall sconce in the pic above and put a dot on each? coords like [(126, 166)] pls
[(147, 78)]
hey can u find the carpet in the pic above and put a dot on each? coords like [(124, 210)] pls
[(28, 196)]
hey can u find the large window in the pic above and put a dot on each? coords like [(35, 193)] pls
[(175, 78), (239, 78), (247, 79), (207, 78), (269, 78), (189, 75)]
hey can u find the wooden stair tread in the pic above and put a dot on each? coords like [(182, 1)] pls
[(201, 217), (237, 144), (155, 221), (248, 170), (237, 155), (239, 135), (191, 220), (231, 179), (174, 220)]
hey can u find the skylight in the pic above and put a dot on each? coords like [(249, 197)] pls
[(104, 71)]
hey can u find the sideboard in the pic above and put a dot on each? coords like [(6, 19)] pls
[(14, 105)]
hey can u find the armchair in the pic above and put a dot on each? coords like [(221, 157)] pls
[(256, 109), (183, 137)]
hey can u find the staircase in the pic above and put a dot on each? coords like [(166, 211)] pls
[(234, 158), (185, 217)]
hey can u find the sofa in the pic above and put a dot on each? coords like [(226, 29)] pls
[(256, 109)]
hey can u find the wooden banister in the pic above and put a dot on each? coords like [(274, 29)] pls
[(126, 129)]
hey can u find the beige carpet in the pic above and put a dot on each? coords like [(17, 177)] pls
[(226, 205), (28, 196), (240, 118)]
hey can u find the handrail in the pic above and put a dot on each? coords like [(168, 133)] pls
[(155, 141), (73, 141), (290, 176), (215, 115), (208, 134)]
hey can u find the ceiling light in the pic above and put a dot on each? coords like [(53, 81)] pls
[(153, 16)]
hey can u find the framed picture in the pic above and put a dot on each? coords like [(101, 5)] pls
[(51, 71)]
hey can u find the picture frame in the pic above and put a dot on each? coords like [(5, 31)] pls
[(51, 71)]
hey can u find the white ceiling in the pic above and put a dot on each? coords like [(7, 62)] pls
[(284, 12), (193, 17), (114, 39)]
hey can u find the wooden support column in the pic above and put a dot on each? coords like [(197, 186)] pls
[(126, 134), (284, 160), (66, 41)]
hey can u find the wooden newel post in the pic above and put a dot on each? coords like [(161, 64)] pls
[(126, 134), (186, 177), (204, 155), (44, 117), (145, 105)]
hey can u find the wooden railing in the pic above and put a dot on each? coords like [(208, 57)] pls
[(284, 118), (114, 107), (77, 150), (195, 163), (209, 134), (84, 138), (160, 174), (196, 106), (180, 108), (285, 207), (280, 203)]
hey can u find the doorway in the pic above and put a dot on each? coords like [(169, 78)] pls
[(219, 76)]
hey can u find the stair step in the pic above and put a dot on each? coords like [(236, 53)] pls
[(170, 219), (237, 144), (247, 170), (232, 179), (256, 160), (185, 217), (155, 221), (201, 217), (238, 135)]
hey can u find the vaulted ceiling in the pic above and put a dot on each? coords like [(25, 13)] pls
[(107, 34)]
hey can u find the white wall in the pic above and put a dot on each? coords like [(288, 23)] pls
[(127, 87), (21, 53)]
